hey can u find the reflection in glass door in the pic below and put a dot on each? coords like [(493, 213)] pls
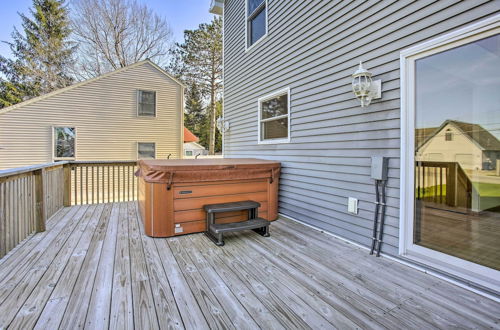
[(457, 152)]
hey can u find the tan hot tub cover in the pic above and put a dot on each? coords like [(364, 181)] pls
[(202, 170)]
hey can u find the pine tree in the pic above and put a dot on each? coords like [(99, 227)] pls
[(42, 54), (194, 115), (199, 60)]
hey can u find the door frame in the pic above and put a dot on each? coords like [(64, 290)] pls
[(478, 275)]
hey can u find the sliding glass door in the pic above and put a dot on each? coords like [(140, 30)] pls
[(457, 152), (452, 219)]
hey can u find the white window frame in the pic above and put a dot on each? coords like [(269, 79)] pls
[(137, 149), (260, 120), (479, 275), (186, 153), (54, 158), (138, 91), (247, 22)]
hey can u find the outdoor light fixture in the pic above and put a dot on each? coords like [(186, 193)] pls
[(222, 124), (364, 87)]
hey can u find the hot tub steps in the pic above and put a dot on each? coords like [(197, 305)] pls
[(229, 207), (215, 231), (238, 226)]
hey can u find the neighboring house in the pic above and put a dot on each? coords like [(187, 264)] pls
[(288, 96), (191, 146), (468, 144), (134, 112)]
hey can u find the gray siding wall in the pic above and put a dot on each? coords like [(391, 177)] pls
[(104, 113), (313, 47)]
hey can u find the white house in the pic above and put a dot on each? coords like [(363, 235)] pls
[(470, 145)]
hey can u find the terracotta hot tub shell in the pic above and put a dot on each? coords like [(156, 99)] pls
[(172, 193)]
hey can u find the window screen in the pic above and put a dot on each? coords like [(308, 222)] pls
[(273, 116), (145, 150), (64, 142), (256, 20), (146, 103)]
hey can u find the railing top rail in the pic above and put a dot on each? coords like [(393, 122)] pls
[(83, 162), (431, 163), (32, 168), (27, 169)]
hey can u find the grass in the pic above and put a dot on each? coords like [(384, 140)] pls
[(484, 190), (487, 189)]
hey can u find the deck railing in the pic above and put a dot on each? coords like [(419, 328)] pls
[(30, 195), (103, 182), (443, 183)]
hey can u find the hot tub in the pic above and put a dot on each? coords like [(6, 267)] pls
[(172, 193)]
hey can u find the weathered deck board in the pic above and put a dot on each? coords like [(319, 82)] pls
[(95, 268), (121, 315)]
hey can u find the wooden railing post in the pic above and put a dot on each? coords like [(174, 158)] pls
[(39, 201), (67, 185)]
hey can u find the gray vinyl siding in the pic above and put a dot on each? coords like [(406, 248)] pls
[(104, 112), (313, 47)]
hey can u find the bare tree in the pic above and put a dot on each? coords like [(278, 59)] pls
[(115, 33)]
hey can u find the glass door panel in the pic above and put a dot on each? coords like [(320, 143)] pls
[(457, 152)]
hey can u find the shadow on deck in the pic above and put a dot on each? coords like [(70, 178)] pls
[(95, 268)]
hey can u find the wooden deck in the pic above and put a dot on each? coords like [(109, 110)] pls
[(94, 268)]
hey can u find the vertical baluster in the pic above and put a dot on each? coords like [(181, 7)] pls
[(86, 184), (2, 220), (119, 183), (73, 185), (8, 227), (133, 183), (109, 193), (418, 168), (81, 184), (435, 185), (32, 202), (16, 210), (441, 184), (424, 170), (114, 199), (92, 186), (98, 183), (128, 183), (22, 216)]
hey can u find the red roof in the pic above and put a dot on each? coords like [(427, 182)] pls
[(189, 137)]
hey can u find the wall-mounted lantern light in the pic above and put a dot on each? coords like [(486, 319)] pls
[(222, 124), (364, 87)]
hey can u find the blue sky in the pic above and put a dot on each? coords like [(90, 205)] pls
[(181, 15)]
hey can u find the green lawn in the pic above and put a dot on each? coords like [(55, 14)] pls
[(484, 190), (487, 189), (431, 191)]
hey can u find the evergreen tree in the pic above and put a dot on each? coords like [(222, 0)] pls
[(194, 115), (42, 54), (198, 60)]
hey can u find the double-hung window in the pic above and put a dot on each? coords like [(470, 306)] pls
[(256, 16), (146, 103), (146, 150), (274, 117), (64, 143)]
